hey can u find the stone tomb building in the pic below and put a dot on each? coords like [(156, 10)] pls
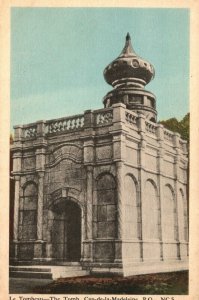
[(107, 188)]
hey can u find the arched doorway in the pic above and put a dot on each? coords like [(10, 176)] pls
[(66, 231)]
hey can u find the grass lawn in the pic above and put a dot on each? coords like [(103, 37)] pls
[(173, 283)]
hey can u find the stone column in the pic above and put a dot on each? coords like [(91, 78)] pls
[(141, 176), (176, 184), (176, 140), (38, 246), (40, 206), (89, 208), (120, 195), (89, 196), (16, 171), (118, 131), (16, 208), (160, 135), (40, 169), (120, 214), (87, 236)]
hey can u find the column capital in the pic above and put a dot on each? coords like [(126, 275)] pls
[(41, 174), (17, 154), (41, 150), (119, 164), (119, 136), (89, 168), (16, 177)]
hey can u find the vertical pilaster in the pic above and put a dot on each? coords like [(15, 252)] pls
[(16, 208), (160, 135), (141, 176), (87, 237), (40, 163), (38, 246), (89, 208), (119, 156), (120, 195), (17, 165), (176, 141), (120, 211), (40, 168), (40, 206), (89, 194)]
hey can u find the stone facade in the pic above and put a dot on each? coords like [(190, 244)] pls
[(107, 188)]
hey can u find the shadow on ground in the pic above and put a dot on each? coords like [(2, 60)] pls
[(175, 283)]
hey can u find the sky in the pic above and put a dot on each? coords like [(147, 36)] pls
[(58, 56)]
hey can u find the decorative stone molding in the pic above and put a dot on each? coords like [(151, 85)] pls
[(151, 127), (168, 135), (66, 151), (104, 117), (131, 117), (64, 193), (64, 124), (30, 132)]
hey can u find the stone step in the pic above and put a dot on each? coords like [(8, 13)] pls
[(28, 274), (72, 274), (29, 269), (46, 272), (44, 263)]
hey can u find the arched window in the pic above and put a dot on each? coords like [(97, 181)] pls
[(28, 213), (182, 217), (105, 211), (150, 212), (168, 216), (131, 209)]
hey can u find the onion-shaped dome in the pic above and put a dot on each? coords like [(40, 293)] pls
[(128, 74), (129, 69)]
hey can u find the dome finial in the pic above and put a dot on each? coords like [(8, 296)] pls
[(128, 37), (128, 49)]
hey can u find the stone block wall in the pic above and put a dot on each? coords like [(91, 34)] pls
[(124, 175)]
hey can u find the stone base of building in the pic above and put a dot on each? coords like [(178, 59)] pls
[(155, 267), (128, 258), (138, 268), (73, 269), (27, 250)]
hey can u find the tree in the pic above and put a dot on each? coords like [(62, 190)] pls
[(182, 127)]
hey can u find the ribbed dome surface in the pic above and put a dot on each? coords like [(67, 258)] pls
[(128, 68)]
